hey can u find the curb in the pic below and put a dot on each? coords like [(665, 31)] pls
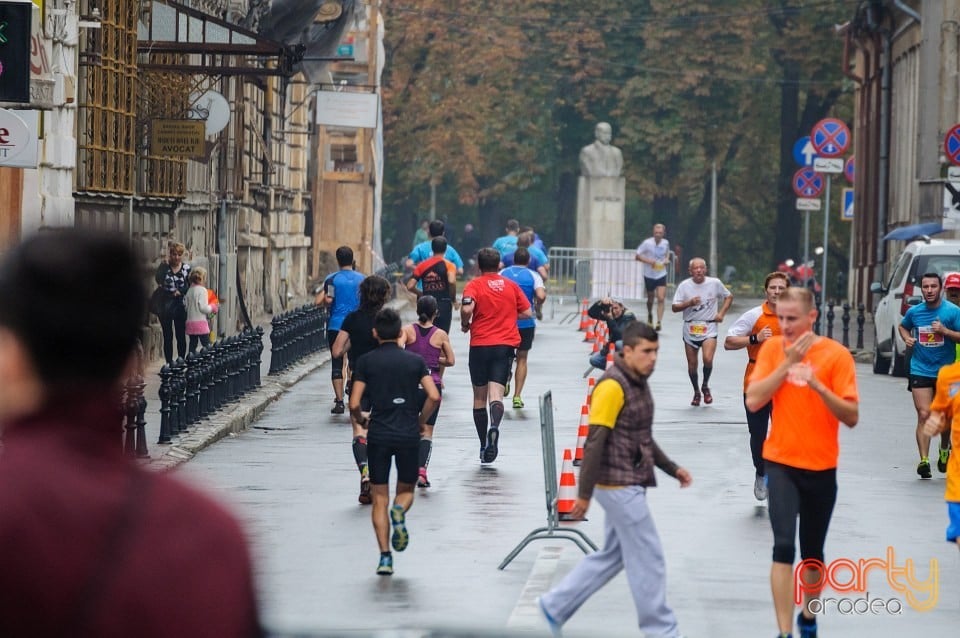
[(234, 417)]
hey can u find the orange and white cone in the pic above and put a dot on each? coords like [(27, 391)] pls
[(590, 335), (591, 384), (582, 433), (584, 317), (567, 494), (610, 351)]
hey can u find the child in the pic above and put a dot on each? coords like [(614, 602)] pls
[(943, 411), (198, 328)]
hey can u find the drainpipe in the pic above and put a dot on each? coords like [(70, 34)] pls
[(222, 281), (900, 4)]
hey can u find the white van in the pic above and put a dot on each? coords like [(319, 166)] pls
[(901, 291)]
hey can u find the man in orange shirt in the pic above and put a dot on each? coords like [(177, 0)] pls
[(943, 410), (813, 385), (749, 331)]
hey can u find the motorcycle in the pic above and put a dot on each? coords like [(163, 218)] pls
[(801, 275)]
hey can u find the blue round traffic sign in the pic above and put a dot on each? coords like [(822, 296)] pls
[(803, 152), (951, 145), (830, 137), (807, 183), (848, 169)]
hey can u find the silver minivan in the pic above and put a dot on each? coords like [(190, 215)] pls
[(901, 291)]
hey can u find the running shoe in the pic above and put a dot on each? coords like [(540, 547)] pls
[(760, 488), (490, 451), (923, 468), (650, 318), (483, 448), (807, 626), (385, 568), (422, 480), (400, 538), (658, 327), (518, 403), (551, 623), (941, 462), (365, 497), (338, 408)]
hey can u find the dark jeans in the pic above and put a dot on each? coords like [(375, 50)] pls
[(174, 318)]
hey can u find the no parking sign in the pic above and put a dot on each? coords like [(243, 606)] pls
[(830, 137)]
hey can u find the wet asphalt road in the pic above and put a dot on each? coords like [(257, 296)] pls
[(293, 481)]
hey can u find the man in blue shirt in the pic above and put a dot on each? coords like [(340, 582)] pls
[(538, 259), (340, 291), (532, 286), (507, 243), (932, 330), (424, 251)]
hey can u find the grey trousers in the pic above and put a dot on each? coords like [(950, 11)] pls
[(630, 542)]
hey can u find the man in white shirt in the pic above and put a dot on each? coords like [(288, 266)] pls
[(654, 254), (704, 302)]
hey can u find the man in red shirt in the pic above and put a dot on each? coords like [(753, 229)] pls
[(489, 311), (92, 543)]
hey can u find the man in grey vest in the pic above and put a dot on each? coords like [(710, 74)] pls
[(619, 458)]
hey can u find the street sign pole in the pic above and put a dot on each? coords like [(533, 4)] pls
[(823, 277), (806, 238)]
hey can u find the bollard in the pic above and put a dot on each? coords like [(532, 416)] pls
[(165, 375), (181, 407), (206, 385), (845, 321), (830, 318), (141, 446), (860, 321), (129, 405), (259, 356), (193, 388), (276, 335), (816, 325)]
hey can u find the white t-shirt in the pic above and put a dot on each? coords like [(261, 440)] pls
[(650, 249), (698, 321)]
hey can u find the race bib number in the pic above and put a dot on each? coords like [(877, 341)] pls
[(658, 266), (698, 328), (927, 338)]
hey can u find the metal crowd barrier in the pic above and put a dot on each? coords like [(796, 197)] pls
[(552, 530), (592, 273)]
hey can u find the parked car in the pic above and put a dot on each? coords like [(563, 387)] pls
[(901, 291)]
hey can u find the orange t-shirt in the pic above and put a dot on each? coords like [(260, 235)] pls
[(947, 400), (766, 318), (803, 431)]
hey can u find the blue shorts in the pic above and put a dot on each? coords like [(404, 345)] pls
[(953, 529)]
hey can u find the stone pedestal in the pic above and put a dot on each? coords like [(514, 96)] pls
[(600, 206)]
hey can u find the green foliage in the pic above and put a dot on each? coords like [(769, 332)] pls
[(492, 102)]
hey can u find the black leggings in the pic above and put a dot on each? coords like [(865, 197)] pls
[(810, 494), (757, 423), (197, 342), (174, 318)]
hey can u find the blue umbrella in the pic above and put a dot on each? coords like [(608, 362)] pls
[(906, 233)]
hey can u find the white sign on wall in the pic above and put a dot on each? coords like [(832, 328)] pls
[(18, 139), (353, 110)]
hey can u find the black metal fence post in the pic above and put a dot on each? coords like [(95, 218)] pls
[(830, 318), (845, 321), (165, 392), (861, 319)]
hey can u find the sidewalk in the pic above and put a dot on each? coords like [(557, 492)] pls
[(233, 417)]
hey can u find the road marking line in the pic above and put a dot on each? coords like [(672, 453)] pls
[(525, 615)]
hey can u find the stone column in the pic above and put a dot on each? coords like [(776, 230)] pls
[(600, 212)]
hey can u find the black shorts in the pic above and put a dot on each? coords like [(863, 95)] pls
[(916, 381), (365, 405), (444, 315), (379, 456), (490, 364), (652, 284), (336, 363), (422, 399), (526, 338)]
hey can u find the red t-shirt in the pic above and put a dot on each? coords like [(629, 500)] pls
[(496, 303)]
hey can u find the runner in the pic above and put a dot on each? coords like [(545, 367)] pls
[(931, 330), (340, 292), (391, 380), (749, 331), (944, 409), (699, 299), (813, 385), (531, 284), (438, 278), (424, 250), (506, 243), (356, 339), (654, 254), (433, 345), (489, 311), (619, 459)]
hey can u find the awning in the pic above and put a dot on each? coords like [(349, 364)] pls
[(906, 233)]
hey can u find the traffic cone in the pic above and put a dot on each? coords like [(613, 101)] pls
[(582, 433), (610, 351), (591, 384), (584, 317), (590, 335), (596, 346), (567, 494)]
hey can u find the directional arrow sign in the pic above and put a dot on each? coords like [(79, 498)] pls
[(803, 152)]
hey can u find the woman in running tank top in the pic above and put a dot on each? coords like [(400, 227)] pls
[(433, 344)]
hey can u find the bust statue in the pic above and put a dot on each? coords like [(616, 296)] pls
[(601, 159)]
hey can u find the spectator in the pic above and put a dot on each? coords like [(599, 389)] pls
[(173, 276), (422, 233), (198, 310)]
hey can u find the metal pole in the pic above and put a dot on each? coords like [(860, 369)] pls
[(433, 200), (826, 236), (806, 237), (713, 222)]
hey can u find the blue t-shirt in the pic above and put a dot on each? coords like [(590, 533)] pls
[(537, 258), (529, 281), (423, 252), (932, 351), (505, 244), (344, 287)]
